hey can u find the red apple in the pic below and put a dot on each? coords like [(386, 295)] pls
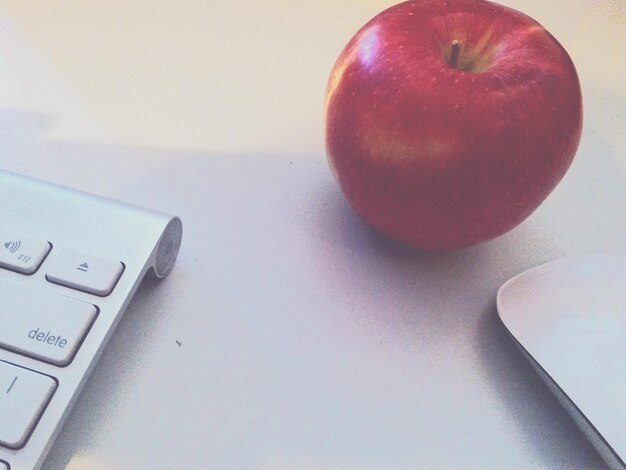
[(449, 121)]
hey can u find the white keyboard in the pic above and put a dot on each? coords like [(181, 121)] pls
[(69, 264)]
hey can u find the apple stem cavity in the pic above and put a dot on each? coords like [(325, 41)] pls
[(454, 53)]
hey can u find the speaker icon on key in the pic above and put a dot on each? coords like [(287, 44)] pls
[(13, 246)]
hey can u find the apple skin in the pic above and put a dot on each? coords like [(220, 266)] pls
[(440, 157)]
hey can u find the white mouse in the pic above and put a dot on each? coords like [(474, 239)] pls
[(569, 319)]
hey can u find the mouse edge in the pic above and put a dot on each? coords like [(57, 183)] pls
[(560, 263), (604, 449)]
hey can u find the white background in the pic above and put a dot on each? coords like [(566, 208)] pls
[(307, 341)]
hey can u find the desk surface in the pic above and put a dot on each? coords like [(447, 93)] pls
[(288, 334)]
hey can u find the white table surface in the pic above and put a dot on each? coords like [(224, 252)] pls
[(307, 341)]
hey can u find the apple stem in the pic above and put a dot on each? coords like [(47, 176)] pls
[(454, 53)]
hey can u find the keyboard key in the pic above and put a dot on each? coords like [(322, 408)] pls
[(42, 325), (24, 395), (21, 254), (83, 272)]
